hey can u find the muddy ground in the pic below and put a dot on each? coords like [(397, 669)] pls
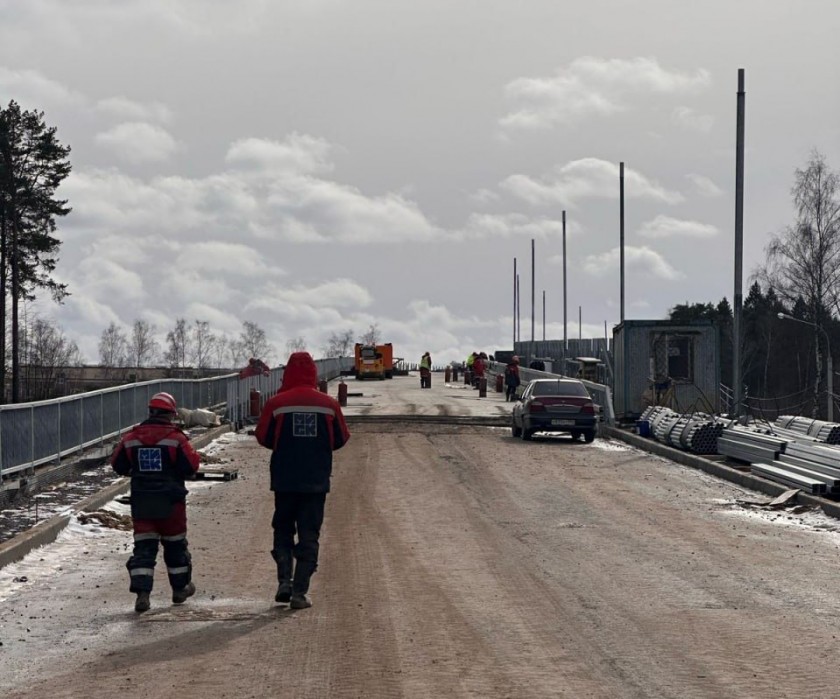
[(456, 562)]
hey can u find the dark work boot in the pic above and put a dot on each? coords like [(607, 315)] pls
[(300, 585), (143, 602), (300, 600), (284, 576), (180, 596)]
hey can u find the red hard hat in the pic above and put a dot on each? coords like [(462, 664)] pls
[(164, 402)]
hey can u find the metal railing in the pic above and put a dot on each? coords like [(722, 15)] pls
[(32, 434)]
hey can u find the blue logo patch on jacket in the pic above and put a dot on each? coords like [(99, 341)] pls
[(305, 425), (150, 459)]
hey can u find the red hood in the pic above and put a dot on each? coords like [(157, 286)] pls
[(300, 370)]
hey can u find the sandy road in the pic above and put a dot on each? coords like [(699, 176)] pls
[(457, 562)]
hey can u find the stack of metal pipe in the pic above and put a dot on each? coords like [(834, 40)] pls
[(828, 432), (696, 432), (701, 434)]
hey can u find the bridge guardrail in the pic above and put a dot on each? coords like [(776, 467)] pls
[(33, 434)]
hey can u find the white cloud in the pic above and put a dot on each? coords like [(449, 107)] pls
[(297, 154), (692, 120), (586, 178), (667, 227), (139, 142), (32, 90), (126, 109), (339, 293), (592, 86), (499, 226), (484, 196), (642, 259), (704, 186), (215, 256)]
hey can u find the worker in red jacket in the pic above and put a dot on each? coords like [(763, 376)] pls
[(302, 427), (478, 367), (159, 457)]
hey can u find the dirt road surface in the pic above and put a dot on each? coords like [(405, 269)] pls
[(455, 562)]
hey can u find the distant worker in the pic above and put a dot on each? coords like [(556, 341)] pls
[(478, 367), (512, 379), (302, 427), (468, 364), (159, 457), (426, 371)]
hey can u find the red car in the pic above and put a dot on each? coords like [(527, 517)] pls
[(555, 405)]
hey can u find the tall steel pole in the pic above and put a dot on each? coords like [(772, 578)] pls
[(533, 295), (565, 327), (543, 315), (621, 231), (737, 388), (518, 311), (514, 302)]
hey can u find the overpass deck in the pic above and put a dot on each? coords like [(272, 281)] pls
[(402, 396)]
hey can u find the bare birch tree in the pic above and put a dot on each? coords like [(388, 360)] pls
[(803, 261), (113, 348), (202, 345), (143, 348)]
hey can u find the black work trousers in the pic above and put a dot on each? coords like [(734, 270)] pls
[(297, 528)]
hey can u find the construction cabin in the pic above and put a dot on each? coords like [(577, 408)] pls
[(662, 362)]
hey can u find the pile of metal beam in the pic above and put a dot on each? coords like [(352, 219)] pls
[(789, 478), (828, 432), (814, 461), (750, 445)]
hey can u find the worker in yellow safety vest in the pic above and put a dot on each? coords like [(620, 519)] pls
[(426, 371)]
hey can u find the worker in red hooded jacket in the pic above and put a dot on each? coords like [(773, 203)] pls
[(158, 457), (302, 427)]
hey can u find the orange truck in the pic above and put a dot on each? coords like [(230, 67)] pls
[(374, 361)]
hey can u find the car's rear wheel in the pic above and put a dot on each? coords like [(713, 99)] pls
[(514, 430), (525, 433), (589, 436)]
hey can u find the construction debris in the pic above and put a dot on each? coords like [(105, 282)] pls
[(112, 520), (220, 474)]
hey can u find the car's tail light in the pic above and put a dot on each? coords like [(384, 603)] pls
[(588, 409), (536, 407)]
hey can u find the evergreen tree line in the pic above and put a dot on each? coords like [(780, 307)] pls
[(784, 361), (33, 163)]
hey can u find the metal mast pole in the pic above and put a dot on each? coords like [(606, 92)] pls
[(518, 311), (514, 302), (737, 388), (565, 326), (621, 229), (543, 315), (533, 295)]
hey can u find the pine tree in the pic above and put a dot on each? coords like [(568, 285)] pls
[(33, 163)]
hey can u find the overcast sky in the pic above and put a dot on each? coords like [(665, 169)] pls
[(323, 165)]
